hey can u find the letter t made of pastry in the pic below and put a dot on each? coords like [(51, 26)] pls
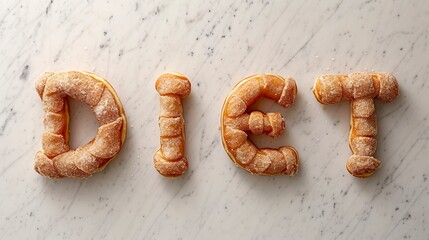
[(360, 89)]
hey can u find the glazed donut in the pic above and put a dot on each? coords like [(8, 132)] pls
[(360, 89), (57, 160), (170, 160), (236, 123)]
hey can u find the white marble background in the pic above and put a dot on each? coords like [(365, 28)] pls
[(216, 43)]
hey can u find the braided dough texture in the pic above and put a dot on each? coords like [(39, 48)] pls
[(236, 123), (170, 160), (57, 160), (360, 89)]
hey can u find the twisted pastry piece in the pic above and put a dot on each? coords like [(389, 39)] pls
[(359, 89), (57, 160), (170, 160), (236, 123)]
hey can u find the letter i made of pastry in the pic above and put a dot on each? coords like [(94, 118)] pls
[(170, 160)]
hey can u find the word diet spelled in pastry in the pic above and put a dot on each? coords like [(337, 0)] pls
[(360, 89), (236, 123), (57, 160)]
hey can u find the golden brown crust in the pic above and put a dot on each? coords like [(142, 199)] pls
[(55, 122), (107, 142), (363, 146), (363, 107), (106, 110), (40, 84), (357, 85), (57, 160), (173, 84), (85, 161), (287, 98), (172, 106), (45, 166), (360, 89), (236, 123), (169, 168), (170, 160), (362, 166), (389, 88), (53, 144), (328, 89), (65, 165)]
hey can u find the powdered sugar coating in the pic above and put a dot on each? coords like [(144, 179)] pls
[(357, 85), (170, 168), (363, 107), (389, 88), (107, 142), (365, 126), (362, 166), (328, 89), (170, 127), (55, 122), (364, 146), (171, 106), (53, 144), (106, 111), (174, 84)]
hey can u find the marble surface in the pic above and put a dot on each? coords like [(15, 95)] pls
[(215, 44)]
